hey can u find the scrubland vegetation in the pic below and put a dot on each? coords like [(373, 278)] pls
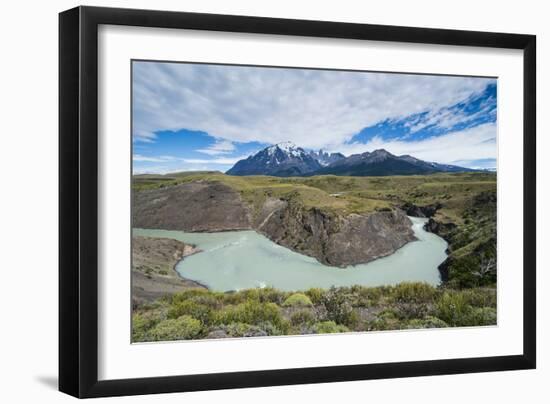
[(200, 313)]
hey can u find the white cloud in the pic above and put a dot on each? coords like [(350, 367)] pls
[(219, 160), (221, 146), (312, 108), (470, 144), (167, 169), (159, 159)]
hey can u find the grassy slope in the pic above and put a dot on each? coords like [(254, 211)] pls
[(355, 194)]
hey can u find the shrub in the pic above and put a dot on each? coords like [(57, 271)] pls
[(454, 309), (297, 299), (481, 297), (189, 294), (189, 307), (302, 317), (417, 292), (141, 323), (184, 327), (249, 294), (338, 308), (427, 322), (271, 295), (365, 296), (408, 311), (382, 324), (251, 313), (329, 327), (315, 295), (483, 316), (210, 300), (232, 298), (244, 330)]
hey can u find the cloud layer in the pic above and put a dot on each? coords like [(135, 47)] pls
[(236, 105)]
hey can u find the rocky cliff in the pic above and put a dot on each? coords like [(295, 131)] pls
[(332, 238)]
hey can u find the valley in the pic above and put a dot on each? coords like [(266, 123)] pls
[(318, 216)]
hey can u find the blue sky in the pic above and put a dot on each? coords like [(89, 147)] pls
[(206, 117)]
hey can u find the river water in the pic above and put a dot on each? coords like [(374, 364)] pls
[(238, 260)]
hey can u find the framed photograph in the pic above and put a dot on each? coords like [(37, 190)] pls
[(251, 201)]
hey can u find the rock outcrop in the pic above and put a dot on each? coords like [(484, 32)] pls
[(421, 211), (338, 240)]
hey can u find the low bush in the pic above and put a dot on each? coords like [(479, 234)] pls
[(189, 294), (481, 297), (251, 313), (189, 307), (297, 300), (483, 316), (414, 292), (338, 308), (329, 327), (302, 317), (315, 295), (244, 330), (365, 296), (141, 323), (272, 295), (453, 308), (408, 311), (184, 327), (427, 322)]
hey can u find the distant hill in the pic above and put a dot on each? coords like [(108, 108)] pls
[(288, 160)]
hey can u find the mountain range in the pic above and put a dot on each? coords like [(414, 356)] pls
[(286, 160)]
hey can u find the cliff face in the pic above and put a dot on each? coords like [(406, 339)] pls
[(331, 238), (472, 243), (337, 240)]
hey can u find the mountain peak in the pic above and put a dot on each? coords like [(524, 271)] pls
[(281, 159), (286, 159), (381, 152), (286, 146)]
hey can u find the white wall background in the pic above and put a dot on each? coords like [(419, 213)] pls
[(28, 203)]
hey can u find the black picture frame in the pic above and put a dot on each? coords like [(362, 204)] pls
[(78, 201)]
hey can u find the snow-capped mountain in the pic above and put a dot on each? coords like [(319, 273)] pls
[(286, 160), (282, 160), (325, 158)]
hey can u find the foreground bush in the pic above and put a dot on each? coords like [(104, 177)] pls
[(184, 327), (251, 313), (338, 308), (329, 327), (297, 299)]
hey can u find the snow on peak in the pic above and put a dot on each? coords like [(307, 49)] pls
[(288, 148)]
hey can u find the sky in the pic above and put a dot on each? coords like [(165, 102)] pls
[(190, 117)]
